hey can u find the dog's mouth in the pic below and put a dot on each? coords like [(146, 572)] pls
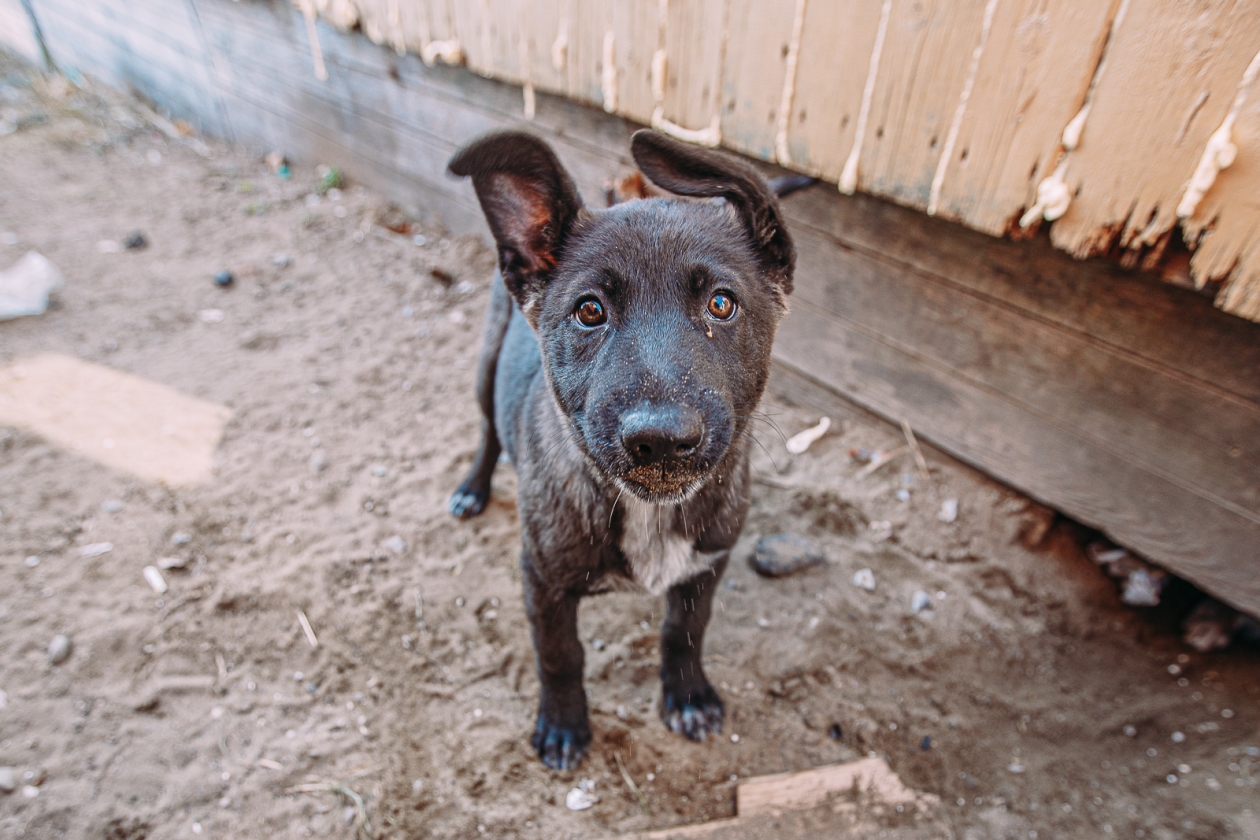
[(663, 483)]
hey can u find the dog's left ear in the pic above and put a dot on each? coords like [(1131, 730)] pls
[(529, 201), (690, 170)]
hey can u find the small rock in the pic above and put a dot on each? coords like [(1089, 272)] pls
[(395, 544), (1209, 626), (8, 779), (443, 277), (379, 471), (223, 279), (135, 241), (903, 495), (949, 511), (598, 644), (31, 562), (1015, 768), (622, 713), (29, 791), (581, 797), (280, 260), (920, 601), (318, 461), (456, 316), (210, 316), (417, 785), (4, 700), (108, 246), (165, 563), (1104, 552), (1142, 588), (779, 555), (864, 579), (835, 733), (59, 649), (155, 580), (418, 240), (112, 505), (181, 538), (96, 549)]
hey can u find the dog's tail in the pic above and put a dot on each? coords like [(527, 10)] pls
[(785, 185)]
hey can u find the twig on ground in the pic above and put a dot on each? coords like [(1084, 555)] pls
[(879, 461), (638, 794), (168, 128), (914, 447), (306, 628), (360, 809)]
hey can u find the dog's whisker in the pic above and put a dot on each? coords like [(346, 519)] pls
[(614, 507)]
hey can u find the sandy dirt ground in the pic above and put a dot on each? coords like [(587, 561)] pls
[(1025, 702)]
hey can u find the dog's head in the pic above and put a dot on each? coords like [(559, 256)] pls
[(655, 317)]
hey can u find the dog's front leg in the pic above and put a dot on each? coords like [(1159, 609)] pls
[(689, 705), (563, 732)]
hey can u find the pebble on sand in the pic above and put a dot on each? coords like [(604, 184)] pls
[(59, 649), (779, 555), (920, 601), (581, 797), (8, 779), (864, 579), (949, 511), (223, 279), (396, 544), (155, 580), (96, 549)]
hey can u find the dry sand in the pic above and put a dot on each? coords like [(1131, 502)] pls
[(205, 711)]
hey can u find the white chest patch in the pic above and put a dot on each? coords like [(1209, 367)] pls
[(658, 556)]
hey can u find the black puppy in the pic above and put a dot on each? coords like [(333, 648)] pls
[(624, 352)]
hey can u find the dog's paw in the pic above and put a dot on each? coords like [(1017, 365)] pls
[(467, 502), (561, 747), (694, 715)]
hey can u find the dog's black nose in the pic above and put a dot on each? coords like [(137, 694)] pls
[(652, 434)]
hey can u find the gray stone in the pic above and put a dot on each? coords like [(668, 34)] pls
[(779, 555), (59, 649), (8, 779)]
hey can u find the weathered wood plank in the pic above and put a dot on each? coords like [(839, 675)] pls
[(1095, 298), (1204, 440)]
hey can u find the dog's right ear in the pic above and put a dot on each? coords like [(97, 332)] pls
[(530, 203)]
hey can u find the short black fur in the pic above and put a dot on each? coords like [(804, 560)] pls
[(625, 351)]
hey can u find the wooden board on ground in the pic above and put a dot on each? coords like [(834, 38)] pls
[(867, 784), (114, 418), (1128, 403)]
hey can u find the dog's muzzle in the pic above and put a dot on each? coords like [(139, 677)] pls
[(663, 445)]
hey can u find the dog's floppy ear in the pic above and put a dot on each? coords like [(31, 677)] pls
[(530, 202), (694, 171)]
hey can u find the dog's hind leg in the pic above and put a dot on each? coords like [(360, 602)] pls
[(470, 498), (689, 704)]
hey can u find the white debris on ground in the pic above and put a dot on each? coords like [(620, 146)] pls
[(26, 285)]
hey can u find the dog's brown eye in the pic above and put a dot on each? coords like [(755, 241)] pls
[(590, 313), (722, 306)]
